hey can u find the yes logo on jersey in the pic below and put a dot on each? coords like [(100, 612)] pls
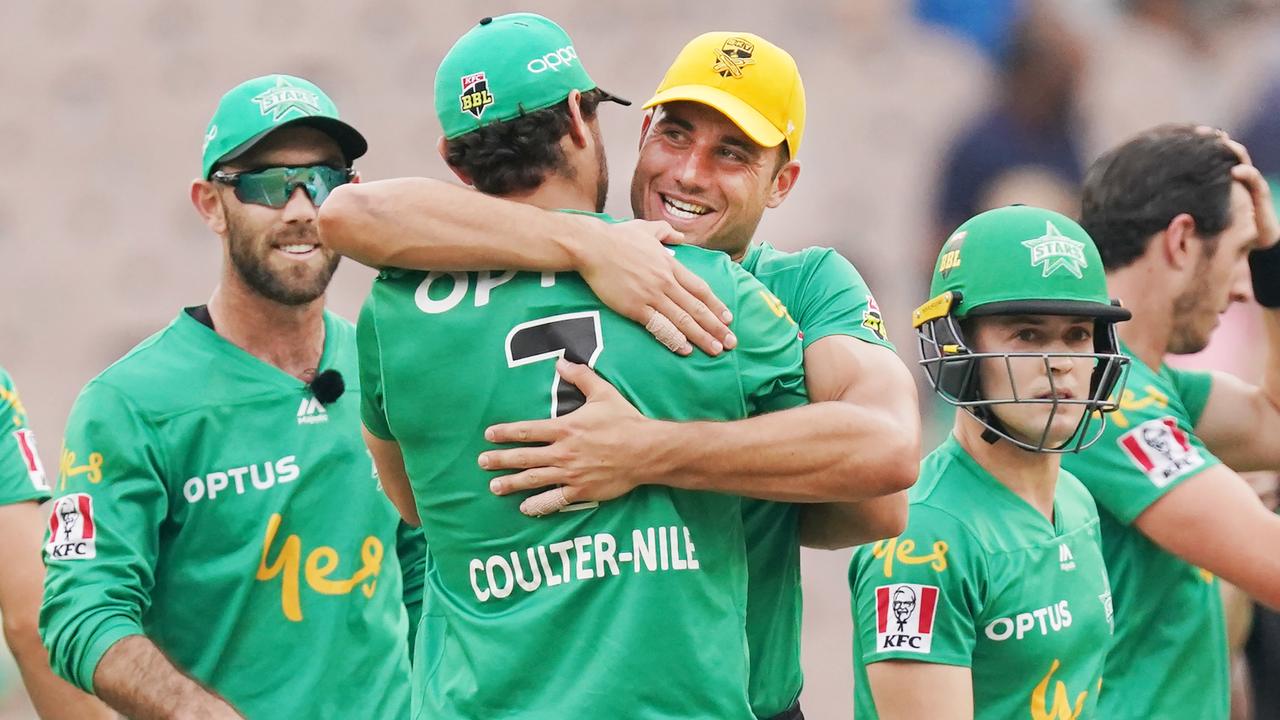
[(27, 448), (72, 531), (1161, 450), (904, 617)]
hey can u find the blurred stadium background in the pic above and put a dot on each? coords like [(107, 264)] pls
[(921, 112)]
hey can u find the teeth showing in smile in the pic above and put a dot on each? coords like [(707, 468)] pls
[(682, 209), (298, 249)]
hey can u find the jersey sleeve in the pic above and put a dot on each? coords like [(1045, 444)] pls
[(22, 475), (769, 354), (1149, 447), (411, 550), (919, 596), (373, 411), (1193, 387), (835, 300), (103, 535)]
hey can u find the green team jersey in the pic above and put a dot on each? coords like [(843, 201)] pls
[(631, 608), (21, 473), (826, 296), (981, 579), (207, 500), (1170, 655)]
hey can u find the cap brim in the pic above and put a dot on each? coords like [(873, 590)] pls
[(350, 141), (610, 97), (1076, 308), (747, 118)]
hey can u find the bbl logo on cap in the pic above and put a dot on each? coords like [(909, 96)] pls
[(951, 253), (475, 95), (285, 98), (734, 55)]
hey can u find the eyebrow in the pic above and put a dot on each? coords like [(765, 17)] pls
[(733, 141)]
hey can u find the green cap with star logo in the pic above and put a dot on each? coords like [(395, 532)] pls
[(505, 67), (258, 107), (1019, 260)]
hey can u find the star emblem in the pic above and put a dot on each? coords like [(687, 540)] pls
[(1055, 251), (284, 98)]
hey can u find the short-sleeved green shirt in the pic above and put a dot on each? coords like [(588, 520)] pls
[(208, 500), (826, 296), (22, 475), (1170, 626), (634, 607), (981, 579)]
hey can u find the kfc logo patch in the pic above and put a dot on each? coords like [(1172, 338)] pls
[(904, 617), (30, 458), (475, 97), (72, 531), (1161, 450)]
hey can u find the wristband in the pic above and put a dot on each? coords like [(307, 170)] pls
[(1264, 266)]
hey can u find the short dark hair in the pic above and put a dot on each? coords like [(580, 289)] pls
[(1132, 192), (516, 155)]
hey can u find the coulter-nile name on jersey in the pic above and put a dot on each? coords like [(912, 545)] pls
[(628, 608)]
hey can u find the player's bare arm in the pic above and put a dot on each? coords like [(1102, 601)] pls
[(606, 448), (910, 690), (1216, 522), (135, 678), (389, 461), (21, 579), (425, 224), (873, 378)]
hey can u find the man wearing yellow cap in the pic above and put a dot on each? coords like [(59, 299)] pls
[(717, 149)]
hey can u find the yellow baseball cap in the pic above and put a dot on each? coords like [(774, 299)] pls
[(755, 83)]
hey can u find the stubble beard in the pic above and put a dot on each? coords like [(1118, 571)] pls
[(602, 178), (1186, 338), (251, 258)]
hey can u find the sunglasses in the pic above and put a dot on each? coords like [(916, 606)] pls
[(274, 186)]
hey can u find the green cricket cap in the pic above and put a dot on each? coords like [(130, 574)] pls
[(505, 67), (1019, 260), (258, 107)]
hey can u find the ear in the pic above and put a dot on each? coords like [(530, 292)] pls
[(645, 124), (1177, 243), (205, 199), (786, 179), (442, 147), (579, 128)]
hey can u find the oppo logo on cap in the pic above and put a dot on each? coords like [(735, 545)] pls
[(553, 60)]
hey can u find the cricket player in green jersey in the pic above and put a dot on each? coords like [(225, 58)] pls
[(994, 603), (721, 144), (219, 546), (656, 578), (23, 487), (1180, 215)]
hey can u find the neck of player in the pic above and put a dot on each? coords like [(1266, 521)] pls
[(1150, 298), (1031, 476), (558, 192), (290, 337)]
